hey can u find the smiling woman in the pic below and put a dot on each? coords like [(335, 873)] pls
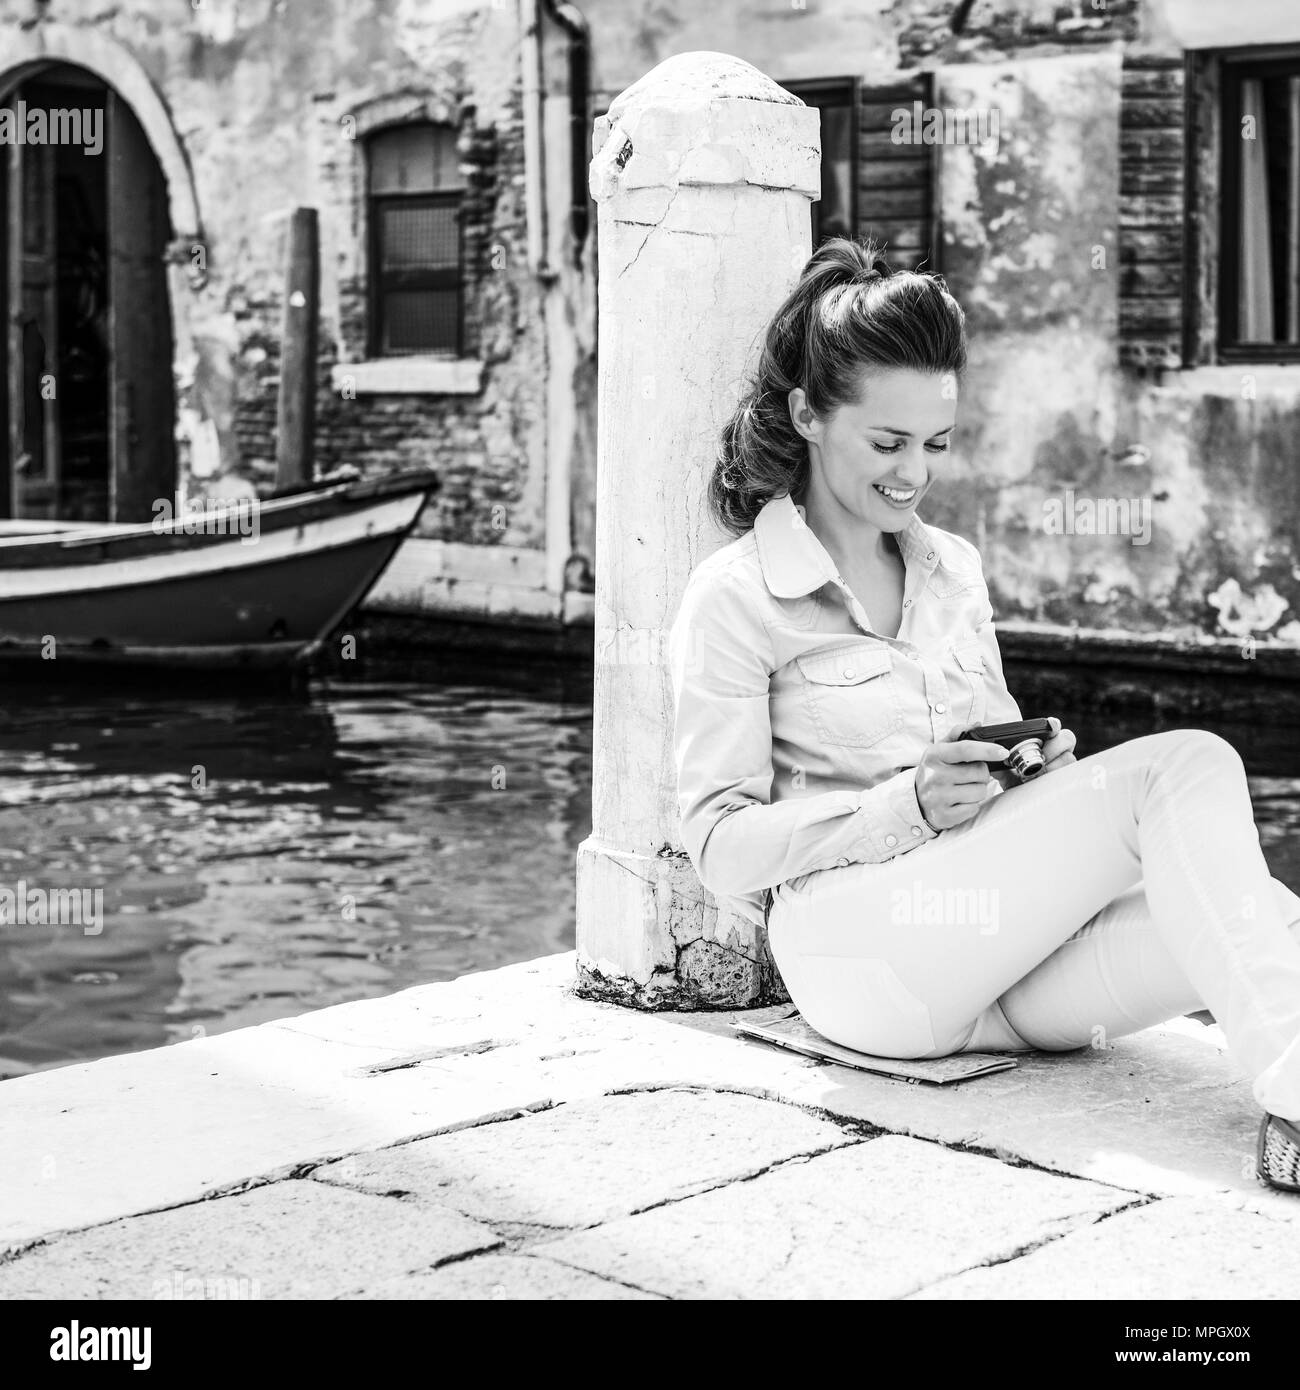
[(828, 666), (848, 312)]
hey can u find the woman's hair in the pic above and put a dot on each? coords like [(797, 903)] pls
[(848, 314)]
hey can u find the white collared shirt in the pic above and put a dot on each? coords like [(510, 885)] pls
[(797, 728)]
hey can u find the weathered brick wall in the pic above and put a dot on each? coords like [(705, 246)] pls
[(1152, 207), (478, 443), (992, 27), (259, 94)]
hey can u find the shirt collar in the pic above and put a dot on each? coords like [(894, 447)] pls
[(795, 562)]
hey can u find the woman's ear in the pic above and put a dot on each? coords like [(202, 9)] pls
[(801, 416)]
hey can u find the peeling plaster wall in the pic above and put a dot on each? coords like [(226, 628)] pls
[(1029, 249), (1049, 419), (1228, 445), (258, 91)]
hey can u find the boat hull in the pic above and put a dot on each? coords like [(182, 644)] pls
[(247, 603)]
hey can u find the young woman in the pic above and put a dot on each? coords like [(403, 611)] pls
[(919, 900)]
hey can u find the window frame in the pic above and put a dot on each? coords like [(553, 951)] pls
[(1273, 61), (808, 90), (378, 281)]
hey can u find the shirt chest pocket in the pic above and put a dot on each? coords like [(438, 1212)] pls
[(852, 695), (970, 683)]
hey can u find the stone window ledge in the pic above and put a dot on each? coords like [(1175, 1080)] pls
[(409, 376), (1278, 380)]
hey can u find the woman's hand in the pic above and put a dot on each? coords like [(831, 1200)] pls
[(952, 780), (1058, 751)]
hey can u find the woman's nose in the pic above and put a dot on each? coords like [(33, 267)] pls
[(911, 470)]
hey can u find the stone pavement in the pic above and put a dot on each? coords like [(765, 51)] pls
[(497, 1137)]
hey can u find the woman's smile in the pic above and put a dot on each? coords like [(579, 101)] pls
[(900, 497)]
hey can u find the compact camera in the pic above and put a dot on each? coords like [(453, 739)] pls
[(1023, 740)]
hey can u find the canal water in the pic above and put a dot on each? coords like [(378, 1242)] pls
[(262, 855)]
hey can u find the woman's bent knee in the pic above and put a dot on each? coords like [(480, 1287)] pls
[(1199, 747)]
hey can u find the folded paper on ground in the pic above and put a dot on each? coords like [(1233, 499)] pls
[(792, 1032)]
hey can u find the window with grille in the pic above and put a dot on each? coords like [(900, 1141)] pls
[(415, 198), (1259, 269)]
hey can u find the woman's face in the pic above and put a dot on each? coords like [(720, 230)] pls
[(873, 459)]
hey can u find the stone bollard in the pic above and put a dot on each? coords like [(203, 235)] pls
[(703, 173)]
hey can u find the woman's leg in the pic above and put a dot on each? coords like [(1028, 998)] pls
[(1114, 976), (910, 957)]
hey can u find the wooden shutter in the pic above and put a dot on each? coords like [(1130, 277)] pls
[(1152, 206), (835, 212), (897, 202), (32, 271)]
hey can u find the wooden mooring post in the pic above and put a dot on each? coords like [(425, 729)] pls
[(295, 415)]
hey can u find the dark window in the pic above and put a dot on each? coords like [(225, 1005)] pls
[(1259, 268), (836, 212), (873, 185), (416, 289)]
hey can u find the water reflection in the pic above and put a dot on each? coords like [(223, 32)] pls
[(261, 856)]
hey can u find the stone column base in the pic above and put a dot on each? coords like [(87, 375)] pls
[(689, 953)]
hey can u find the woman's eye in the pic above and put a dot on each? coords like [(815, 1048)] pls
[(895, 448)]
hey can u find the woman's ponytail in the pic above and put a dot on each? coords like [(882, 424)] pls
[(848, 313)]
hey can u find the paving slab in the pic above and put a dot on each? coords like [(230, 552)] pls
[(90, 1143), (506, 1277), (1175, 1248), (1164, 1112), (285, 1240), (591, 1160), (879, 1219)]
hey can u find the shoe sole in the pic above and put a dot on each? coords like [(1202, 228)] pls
[(1277, 1154)]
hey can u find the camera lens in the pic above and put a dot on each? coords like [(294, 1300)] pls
[(1026, 759)]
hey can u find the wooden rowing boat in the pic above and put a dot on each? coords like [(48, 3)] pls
[(248, 586)]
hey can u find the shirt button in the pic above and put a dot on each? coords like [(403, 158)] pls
[(848, 673), (907, 603), (841, 863), (939, 708), (891, 839), (916, 830), (930, 556)]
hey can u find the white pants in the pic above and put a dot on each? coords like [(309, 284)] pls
[(1104, 897)]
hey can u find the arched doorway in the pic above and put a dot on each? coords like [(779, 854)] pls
[(87, 405)]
